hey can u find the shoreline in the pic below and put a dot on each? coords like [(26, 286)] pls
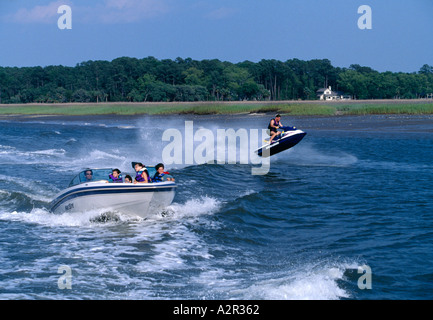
[(373, 122), (287, 108), (401, 123)]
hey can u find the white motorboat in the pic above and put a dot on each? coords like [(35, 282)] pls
[(141, 199)]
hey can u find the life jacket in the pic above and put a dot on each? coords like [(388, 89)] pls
[(116, 180), (276, 123), (158, 177), (139, 178)]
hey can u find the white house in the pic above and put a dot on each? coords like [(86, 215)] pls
[(328, 95)]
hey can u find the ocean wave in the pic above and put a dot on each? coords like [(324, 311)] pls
[(194, 208), (29, 189), (305, 282), (49, 152), (14, 155)]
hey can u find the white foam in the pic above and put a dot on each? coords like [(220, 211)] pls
[(195, 207), (173, 243), (190, 209), (301, 284), (49, 152), (84, 219), (4, 192)]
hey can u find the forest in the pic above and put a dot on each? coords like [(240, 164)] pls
[(151, 80)]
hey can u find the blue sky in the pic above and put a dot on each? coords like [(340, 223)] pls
[(236, 30)]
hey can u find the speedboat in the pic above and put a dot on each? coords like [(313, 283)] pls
[(141, 199), (287, 139)]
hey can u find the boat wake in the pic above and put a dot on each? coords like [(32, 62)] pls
[(307, 154), (191, 209), (304, 282)]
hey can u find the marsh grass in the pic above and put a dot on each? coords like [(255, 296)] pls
[(304, 108), (389, 108)]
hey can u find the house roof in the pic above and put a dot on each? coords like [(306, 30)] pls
[(333, 93)]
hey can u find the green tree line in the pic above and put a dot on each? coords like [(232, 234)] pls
[(150, 79)]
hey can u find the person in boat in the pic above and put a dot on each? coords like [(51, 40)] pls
[(273, 127), (161, 175), (142, 175), (128, 179), (115, 176), (88, 174)]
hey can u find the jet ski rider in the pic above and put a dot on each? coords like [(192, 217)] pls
[(273, 127)]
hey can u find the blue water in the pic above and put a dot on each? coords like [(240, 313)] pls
[(355, 192)]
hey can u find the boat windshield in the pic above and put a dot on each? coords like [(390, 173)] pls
[(93, 175), (90, 175)]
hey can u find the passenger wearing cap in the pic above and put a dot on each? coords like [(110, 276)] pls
[(273, 127)]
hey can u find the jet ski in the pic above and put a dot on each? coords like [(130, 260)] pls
[(290, 137)]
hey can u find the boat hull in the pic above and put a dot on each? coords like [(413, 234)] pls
[(284, 143), (132, 199)]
